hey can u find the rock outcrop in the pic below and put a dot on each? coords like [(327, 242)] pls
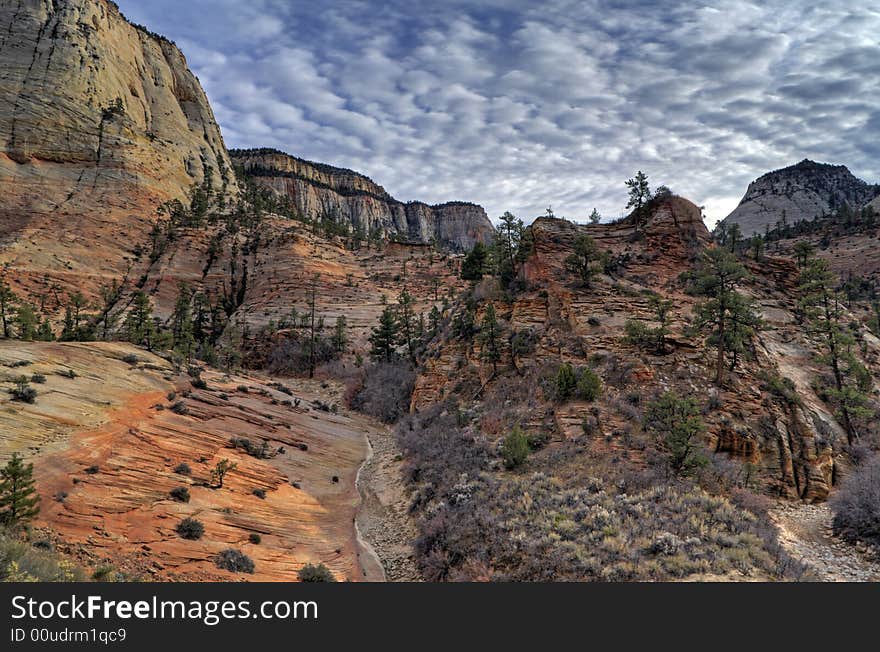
[(100, 121), (799, 192), (320, 191)]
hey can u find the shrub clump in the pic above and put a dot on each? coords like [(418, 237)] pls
[(23, 392), (234, 561), (190, 528), (182, 469), (315, 573), (385, 391), (179, 407), (856, 506), (180, 494), (515, 448), (582, 384), (261, 451)]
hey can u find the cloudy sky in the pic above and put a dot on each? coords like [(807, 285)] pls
[(520, 105)]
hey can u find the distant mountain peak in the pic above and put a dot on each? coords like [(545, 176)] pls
[(799, 192)]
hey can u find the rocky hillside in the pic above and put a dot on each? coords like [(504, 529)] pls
[(769, 431), (323, 192), (799, 192), (100, 121)]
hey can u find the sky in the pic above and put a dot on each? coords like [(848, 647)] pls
[(519, 105)]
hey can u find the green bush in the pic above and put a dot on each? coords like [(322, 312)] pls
[(588, 385), (515, 448), (582, 384), (679, 428), (315, 573), (566, 382)]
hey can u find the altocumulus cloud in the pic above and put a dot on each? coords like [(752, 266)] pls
[(519, 105)]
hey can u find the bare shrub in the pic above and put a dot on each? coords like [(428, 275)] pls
[(234, 561), (386, 391), (856, 505)]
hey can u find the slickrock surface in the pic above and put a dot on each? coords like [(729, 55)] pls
[(116, 416), (321, 191)]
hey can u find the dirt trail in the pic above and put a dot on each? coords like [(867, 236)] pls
[(383, 518), (371, 564), (805, 531)]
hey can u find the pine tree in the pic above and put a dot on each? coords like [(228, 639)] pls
[(7, 308), (26, 320), (385, 337), (822, 305), (340, 338), (45, 332), (68, 332), (507, 244), (434, 318), (139, 326), (595, 218), (757, 247), (639, 195), (109, 297), (490, 339), (661, 307), (734, 233), (728, 317), (406, 321), (474, 264), (803, 252), (183, 339), (584, 260), (312, 303), (19, 502), (678, 426)]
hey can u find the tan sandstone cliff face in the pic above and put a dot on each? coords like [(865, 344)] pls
[(99, 123), (321, 191)]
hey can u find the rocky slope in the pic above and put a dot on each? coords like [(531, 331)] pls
[(798, 192), (99, 122), (319, 191), (793, 447)]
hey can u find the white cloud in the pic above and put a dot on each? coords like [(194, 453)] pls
[(518, 105)]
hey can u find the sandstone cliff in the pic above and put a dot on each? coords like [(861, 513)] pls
[(798, 192), (100, 121), (319, 191)]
